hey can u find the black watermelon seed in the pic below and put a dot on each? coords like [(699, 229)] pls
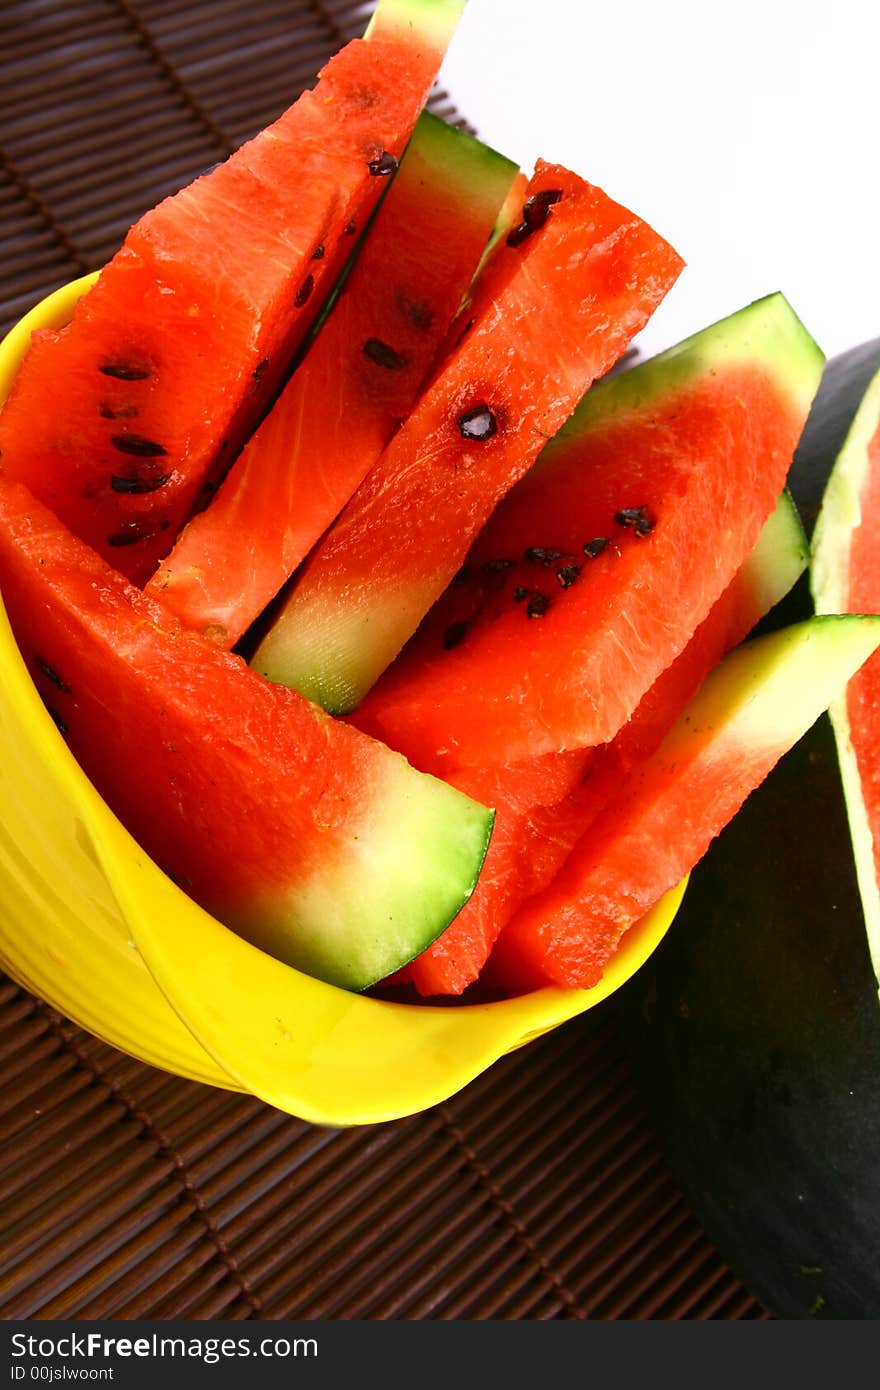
[(595, 547), (537, 605), (130, 532), (517, 235), (138, 485), (566, 575), (536, 209), (537, 555), (52, 675), (628, 516), (56, 718), (638, 517), (519, 595), (534, 215), (318, 253), (304, 292), (125, 371), (349, 229), (139, 447), (383, 165), (478, 423), (123, 412), (384, 356), (454, 635), (260, 371)]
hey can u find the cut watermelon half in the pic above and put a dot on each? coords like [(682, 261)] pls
[(750, 711), (359, 380), (846, 579), (315, 842), (544, 805), (555, 308), (118, 420), (574, 600)]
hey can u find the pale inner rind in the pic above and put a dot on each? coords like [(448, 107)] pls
[(393, 887), (840, 516)]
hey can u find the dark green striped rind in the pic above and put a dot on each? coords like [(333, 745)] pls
[(755, 1028)]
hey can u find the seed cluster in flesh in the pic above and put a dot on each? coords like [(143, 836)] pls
[(493, 575), (143, 477)]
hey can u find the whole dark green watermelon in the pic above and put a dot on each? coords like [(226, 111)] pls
[(755, 1028)]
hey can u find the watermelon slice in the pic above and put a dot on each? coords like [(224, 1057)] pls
[(575, 600), (555, 309), (313, 841), (544, 805), (753, 707), (358, 381), (846, 579), (117, 420), (770, 572)]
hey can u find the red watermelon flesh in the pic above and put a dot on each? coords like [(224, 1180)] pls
[(770, 571), (358, 381), (863, 691), (117, 420), (544, 805), (574, 601), (556, 308), (753, 707), (302, 834), (538, 818)]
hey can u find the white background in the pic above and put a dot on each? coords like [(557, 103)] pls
[(748, 134)]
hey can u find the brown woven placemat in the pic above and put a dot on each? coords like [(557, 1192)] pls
[(539, 1192)]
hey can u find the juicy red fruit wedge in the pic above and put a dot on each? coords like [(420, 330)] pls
[(119, 420), (554, 310), (359, 379), (316, 843)]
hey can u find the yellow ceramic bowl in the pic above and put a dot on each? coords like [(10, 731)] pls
[(90, 924)]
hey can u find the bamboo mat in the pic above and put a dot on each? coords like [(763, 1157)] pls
[(539, 1192)]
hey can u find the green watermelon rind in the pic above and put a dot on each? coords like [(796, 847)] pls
[(767, 333), (464, 156), (773, 688), (433, 20), (839, 516), (483, 174), (421, 819), (780, 556)]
